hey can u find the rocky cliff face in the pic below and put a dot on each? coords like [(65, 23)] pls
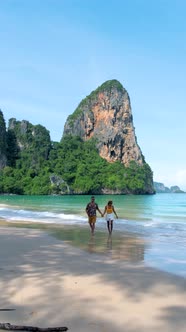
[(106, 115), (28, 134), (20, 128), (34, 139)]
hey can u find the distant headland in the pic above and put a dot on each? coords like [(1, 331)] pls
[(160, 188)]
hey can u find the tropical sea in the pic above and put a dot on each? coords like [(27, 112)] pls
[(150, 229)]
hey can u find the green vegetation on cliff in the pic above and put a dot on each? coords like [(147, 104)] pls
[(3, 143), (31, 164), (33, 160)]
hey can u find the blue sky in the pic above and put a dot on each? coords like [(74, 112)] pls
[(55, 52)]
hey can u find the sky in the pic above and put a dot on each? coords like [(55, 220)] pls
[(54, 53)]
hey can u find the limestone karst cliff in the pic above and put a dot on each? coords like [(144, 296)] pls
[(34, 140), (106, 115), (98, 153)]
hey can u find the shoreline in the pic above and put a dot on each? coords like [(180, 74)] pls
[(51, 283), (126, 246)]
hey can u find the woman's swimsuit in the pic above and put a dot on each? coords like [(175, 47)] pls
[(109, 211)]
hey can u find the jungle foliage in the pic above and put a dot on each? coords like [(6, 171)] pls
[(37, 166)]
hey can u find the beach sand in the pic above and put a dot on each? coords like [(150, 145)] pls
[(49, 282)]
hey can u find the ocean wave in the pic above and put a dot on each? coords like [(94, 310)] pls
[(143, 227), (38, 216)]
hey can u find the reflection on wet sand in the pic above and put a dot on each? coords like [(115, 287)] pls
[(129, 249), (91, 244), (126, 248), (109, 243)]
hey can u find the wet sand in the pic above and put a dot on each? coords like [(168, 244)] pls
[(87, 284)]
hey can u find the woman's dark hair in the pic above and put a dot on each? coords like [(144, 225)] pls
[(109, 202)]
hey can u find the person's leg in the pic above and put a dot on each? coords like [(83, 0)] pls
[(108, 226), (91, 226), (92, 222), (111, 226)]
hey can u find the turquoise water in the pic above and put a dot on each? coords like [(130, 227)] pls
[(159, 220)]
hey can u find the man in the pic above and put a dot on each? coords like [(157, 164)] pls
[(91, 212)]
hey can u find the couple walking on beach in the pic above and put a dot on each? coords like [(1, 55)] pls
[(109, 211)]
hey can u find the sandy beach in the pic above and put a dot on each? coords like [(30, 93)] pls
[(48, 282)]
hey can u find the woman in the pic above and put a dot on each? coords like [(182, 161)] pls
[(110, 211)]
